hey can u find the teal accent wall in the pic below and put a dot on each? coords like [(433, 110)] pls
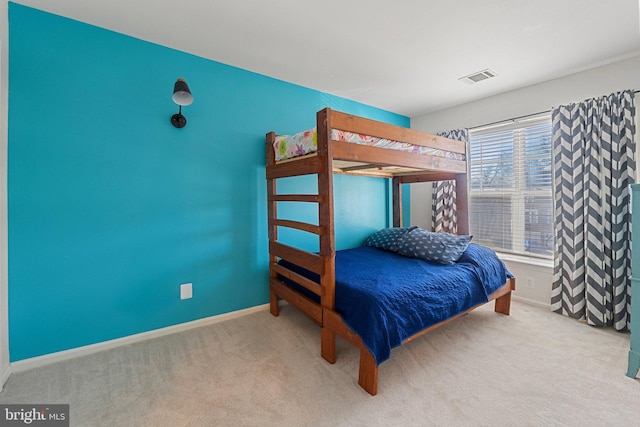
[(406, 206), (111, 208)]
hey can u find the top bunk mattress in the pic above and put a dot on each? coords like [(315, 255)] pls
[(303, 143)]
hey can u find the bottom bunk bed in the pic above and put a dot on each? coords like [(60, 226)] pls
[(385, 297)]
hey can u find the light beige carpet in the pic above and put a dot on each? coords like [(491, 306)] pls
[(533, 368)]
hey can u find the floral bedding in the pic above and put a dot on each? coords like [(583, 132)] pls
[(299, 144)]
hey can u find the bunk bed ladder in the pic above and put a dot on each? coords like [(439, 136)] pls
[(323, 263), (311, 262)]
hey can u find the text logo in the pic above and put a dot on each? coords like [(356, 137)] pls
[(34, 415)]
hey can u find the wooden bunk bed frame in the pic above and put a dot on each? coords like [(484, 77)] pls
[(343, 157)]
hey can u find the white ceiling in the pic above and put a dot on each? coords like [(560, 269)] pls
[(401, 55)]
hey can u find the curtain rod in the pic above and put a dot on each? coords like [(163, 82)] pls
[(513, 119)]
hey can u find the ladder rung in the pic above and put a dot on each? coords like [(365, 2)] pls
[(310, 228), (294, 198)]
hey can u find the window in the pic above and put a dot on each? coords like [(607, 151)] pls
[(510, 194)]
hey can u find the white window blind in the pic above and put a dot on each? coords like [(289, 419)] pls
[(510, 193)]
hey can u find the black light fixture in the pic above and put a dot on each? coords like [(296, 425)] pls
[(181, 96)]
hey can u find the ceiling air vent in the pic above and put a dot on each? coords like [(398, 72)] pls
[(478, 76)]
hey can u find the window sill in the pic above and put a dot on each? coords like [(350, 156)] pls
[(539, 262)]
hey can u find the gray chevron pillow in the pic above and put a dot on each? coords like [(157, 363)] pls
[(387, 238), (438, 247)]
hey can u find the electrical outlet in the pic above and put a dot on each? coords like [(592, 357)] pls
[(186, 291), (530, 283)]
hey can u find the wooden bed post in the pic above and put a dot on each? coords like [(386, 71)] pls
[(397, 201), (503, 303), (327, 237), (462, 203), (368, 372), (272, 213)]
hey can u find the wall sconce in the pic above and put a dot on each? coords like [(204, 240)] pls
[(181, 96)]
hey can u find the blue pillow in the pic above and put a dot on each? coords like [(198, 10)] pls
[(387, 239), (442, 248)]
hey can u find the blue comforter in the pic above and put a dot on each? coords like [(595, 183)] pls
[(386, 298)]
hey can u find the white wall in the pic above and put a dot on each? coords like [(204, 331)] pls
[(537, 98), (533, 279), (421, 205), (4, 311)]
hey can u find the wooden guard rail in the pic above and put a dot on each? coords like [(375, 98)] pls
[(355, 124)]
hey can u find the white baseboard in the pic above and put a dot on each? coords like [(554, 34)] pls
[(531, 302), (5, 372), (35, 362)]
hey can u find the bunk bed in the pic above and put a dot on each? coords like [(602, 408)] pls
[(311, 282)]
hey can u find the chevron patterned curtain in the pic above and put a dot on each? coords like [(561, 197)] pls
[(594, 163), (443, 217)]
